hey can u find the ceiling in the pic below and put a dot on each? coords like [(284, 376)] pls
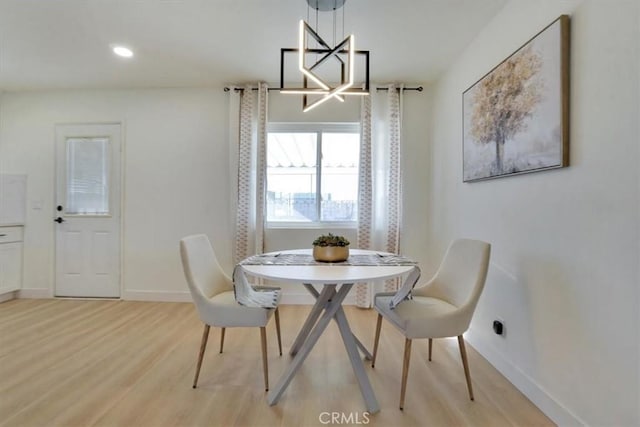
[(60, 44)]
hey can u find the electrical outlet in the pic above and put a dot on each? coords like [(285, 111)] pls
[(499, 327)]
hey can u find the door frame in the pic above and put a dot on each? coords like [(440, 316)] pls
[(120, 177)]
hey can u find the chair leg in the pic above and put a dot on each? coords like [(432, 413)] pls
[(203, 346), (277, 316), (430, 344), (405, 370), (375, 340), (222, 340), (465, 364), (265, 367)]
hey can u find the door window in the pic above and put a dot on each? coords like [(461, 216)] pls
[(87, 184)]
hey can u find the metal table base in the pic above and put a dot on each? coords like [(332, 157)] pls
[(328, 306)]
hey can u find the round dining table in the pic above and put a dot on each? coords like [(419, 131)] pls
[(336, 280)]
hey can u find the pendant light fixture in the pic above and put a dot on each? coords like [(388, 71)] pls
[(321, 71)]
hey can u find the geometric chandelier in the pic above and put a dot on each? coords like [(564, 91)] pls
[(325, 72)]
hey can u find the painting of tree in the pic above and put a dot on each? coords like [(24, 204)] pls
[(505, 101), (515, 117)]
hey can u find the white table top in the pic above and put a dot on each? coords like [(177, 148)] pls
[(329, 273)]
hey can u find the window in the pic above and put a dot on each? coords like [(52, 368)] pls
[(87, 176), (312, 173)]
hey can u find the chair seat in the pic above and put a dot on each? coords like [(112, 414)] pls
[(422, 317), (225, 312)]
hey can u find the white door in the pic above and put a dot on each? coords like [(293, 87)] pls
[(87, 211)]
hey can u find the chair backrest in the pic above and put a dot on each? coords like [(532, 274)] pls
[(202, 270), (462, 274)]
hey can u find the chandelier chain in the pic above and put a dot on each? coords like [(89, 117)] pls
[(343, 7), (335, 13), (308, 9)]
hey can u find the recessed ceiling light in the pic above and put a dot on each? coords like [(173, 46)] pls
[(122, 51)]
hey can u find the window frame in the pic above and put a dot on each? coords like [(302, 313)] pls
[(318, 128)]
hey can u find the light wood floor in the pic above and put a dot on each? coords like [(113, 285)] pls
[(118, 363)]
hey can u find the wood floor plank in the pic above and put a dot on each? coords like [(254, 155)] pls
[(119, 363)]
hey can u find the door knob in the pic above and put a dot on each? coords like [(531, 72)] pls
[(59, 220)]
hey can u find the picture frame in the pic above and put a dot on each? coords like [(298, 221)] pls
[(516, 117)]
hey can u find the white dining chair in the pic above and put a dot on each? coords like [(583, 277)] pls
[(212, 293), (443, 307)]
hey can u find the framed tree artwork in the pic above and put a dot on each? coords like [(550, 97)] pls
[(516, 117)]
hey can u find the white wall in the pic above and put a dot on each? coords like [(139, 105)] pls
[(175, 177), (564, 274)]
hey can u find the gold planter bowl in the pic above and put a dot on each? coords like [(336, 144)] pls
[(330, 253)]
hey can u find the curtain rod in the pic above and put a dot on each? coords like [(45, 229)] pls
[(240, 89), (419, 88)]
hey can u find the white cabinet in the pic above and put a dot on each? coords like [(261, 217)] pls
[(13, 194), (10, 259)]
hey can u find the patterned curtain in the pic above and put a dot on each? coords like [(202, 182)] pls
[(394, 181), (251, 178), (380, 182), (365, 195)]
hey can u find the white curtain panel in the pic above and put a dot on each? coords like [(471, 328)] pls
[(394, 183), (261, 167), (380, 185), (251, 170), (365, 196)]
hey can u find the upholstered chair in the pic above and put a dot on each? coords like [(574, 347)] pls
[(443, 307), (212, 293)]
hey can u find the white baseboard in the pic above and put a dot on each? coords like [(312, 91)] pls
[(307, 299), (158, 296), (8, 296), (532, 390), (172, 296), (35, 293)]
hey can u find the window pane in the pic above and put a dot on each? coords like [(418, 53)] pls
[(339, 176), (87, 176), (291, 177)]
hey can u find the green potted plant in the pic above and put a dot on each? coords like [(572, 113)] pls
[(330, 248)]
